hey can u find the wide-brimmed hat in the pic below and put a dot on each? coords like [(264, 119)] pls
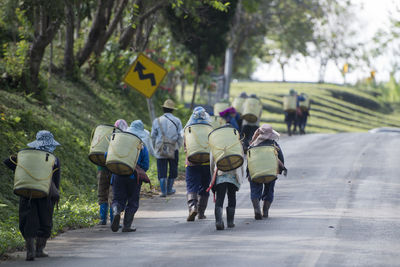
[(44, 139), (169, 103)]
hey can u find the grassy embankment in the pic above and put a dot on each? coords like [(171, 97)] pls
[(72, 112)]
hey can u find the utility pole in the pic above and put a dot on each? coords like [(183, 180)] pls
[(227, 72)]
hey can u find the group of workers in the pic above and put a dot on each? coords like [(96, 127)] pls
[(297, 115), (119, 194)]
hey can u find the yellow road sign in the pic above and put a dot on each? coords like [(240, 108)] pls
[(145, 75)]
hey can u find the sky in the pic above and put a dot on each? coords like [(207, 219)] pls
[(371, 15)]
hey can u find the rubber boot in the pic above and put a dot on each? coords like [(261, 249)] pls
[(111, 215), (192, 205), (219, 222), (128, 220), (170, 184), (40, 245), (30, 249), (202, 205), (117, 218), (230, 216), (257, 209), (103, 213), (266, 206), (163, 187)]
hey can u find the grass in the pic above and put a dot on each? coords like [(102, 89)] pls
[(334, 108)]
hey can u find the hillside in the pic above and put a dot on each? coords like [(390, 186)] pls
[(74, 109), (72, 112), (334, 108)]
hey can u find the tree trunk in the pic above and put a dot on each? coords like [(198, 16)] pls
[(129, 31), (69, 60), (111, 28), (322, 70), (183, 85), (98, 25), (30, 77), (194, 89), (283, 71)]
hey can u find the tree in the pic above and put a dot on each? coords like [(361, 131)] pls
[(46, 22), (202, 29)]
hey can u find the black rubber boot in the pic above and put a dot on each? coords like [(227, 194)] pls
[(40, 245), (257, 209), (30, 249), (230, 216), (128, 220), (202, 201), (266, 206), (116, 219), (219, 222), (192, 205)]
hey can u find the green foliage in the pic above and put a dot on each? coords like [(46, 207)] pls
[(203, 31)]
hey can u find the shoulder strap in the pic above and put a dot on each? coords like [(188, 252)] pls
[(159, 123), (173, 123)]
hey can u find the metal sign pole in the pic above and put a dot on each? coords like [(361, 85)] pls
[(150, 107)]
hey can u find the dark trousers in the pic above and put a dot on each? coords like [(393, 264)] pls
[(104, 193), (126, 193), (221, 190), (290, 118), (262, 191), (247, 134), (162, 167), (35, 217), (198, 179)]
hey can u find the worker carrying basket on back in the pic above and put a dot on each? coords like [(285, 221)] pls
[(265, 161)]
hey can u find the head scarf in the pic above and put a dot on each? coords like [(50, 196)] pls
[(292, 92), (122, 124), (228, 111), (137, 128), (264, 132), (44, 141), (199, 115), (243, 95)]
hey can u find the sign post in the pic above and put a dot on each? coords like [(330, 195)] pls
[(145, 75)]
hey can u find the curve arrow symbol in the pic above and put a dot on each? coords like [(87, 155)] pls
[(139, 68)]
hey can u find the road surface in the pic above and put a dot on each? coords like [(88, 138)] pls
[(338, 206)]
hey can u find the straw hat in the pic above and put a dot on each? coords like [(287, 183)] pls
[(169, 103)]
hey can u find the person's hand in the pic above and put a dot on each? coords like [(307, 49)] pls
[(285, 172)]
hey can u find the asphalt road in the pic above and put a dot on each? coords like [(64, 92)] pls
[(338, 206)]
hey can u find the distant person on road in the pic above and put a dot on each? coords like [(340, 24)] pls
[(292, 116), (126, 188), (230, 115), (167, 139), (104, 190), (248, 128), (265, 136), (36, 214), (305, 112), (225, 183), (198, 175)]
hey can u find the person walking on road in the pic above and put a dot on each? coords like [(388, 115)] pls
[(265, 136), (198, 175), (231, 116), (225, 183), (167, 139), (126, 188), (36, 214), (104, 190), (248, 128)]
